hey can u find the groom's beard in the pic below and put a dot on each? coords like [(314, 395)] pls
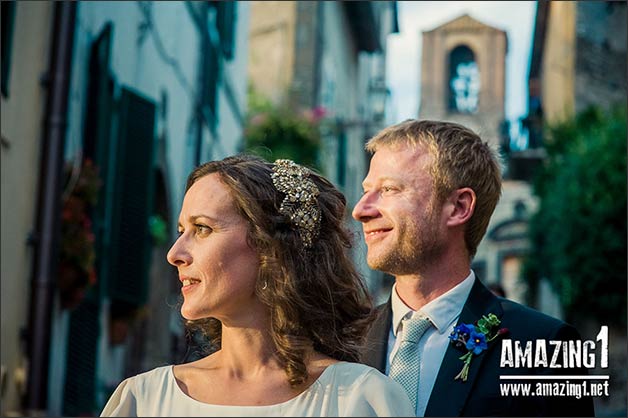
[(413, 247)]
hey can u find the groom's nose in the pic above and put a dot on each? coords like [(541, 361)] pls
[(366, 208)]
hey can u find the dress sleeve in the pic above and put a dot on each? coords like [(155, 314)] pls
[(123, 401), (377, 395)]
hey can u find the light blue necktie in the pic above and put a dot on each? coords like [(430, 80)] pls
[(406, 363)]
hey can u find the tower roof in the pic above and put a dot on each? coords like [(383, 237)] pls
[(464, 23)]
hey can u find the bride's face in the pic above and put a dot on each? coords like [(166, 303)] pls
[(217, 267)]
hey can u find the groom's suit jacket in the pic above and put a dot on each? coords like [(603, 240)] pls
[(480, 395)]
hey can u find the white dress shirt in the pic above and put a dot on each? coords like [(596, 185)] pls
[(444, 312)]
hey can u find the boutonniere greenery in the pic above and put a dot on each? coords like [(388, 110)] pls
[(475, 339)]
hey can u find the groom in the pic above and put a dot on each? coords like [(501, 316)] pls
[(428, 198)]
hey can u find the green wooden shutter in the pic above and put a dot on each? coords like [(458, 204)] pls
[(132, 199), (8, 18), (80, 383), (342, 158), (97, 142)]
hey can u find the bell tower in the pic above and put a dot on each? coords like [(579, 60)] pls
[(463, 76)]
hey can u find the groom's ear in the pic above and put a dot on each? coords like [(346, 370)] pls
[(461, 206)]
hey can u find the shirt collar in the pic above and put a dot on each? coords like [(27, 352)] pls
[(442, 311)]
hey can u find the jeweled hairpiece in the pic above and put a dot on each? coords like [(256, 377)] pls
[(300, 204)]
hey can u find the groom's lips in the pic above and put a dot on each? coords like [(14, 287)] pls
[(374, 234)]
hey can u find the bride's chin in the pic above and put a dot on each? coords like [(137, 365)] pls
[(189, 316)]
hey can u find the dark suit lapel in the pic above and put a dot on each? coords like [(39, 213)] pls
[(449, 395), (376, 348)]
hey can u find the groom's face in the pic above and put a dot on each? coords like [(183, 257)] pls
[(402, 226)]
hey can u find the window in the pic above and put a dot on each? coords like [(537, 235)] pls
[(130, 238), (464, 81)]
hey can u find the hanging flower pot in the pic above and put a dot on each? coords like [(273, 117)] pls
[(76, 269)]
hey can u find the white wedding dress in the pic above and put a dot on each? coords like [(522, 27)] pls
[(343, 389)]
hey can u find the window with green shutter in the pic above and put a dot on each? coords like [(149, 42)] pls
[(7, 12), (341, 162), (130, 245), (79, 395), (97, 142)]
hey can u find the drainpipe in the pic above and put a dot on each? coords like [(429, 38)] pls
[(202, 81), (49, 207), (318, 53)]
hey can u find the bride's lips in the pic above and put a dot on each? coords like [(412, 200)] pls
[(188, 283)]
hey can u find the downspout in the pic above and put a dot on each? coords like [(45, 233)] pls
[(202, 80), (49, 207), (318, 54)]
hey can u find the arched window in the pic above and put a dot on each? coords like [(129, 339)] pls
[(464, 81)]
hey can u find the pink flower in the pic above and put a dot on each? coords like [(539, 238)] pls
[(259, 119), (319, 112)]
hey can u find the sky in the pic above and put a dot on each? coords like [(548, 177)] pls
[(404, 49)]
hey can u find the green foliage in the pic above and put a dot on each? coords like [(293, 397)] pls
[(578, 235), (274, 132), (158, 229)]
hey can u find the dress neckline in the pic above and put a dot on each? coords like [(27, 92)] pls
[(317, 382)]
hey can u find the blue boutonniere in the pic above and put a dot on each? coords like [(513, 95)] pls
[(475, 338)]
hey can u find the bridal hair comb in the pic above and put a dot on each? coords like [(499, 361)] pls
[(300, 204)]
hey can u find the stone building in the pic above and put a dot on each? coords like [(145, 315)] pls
[(578, 59)]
